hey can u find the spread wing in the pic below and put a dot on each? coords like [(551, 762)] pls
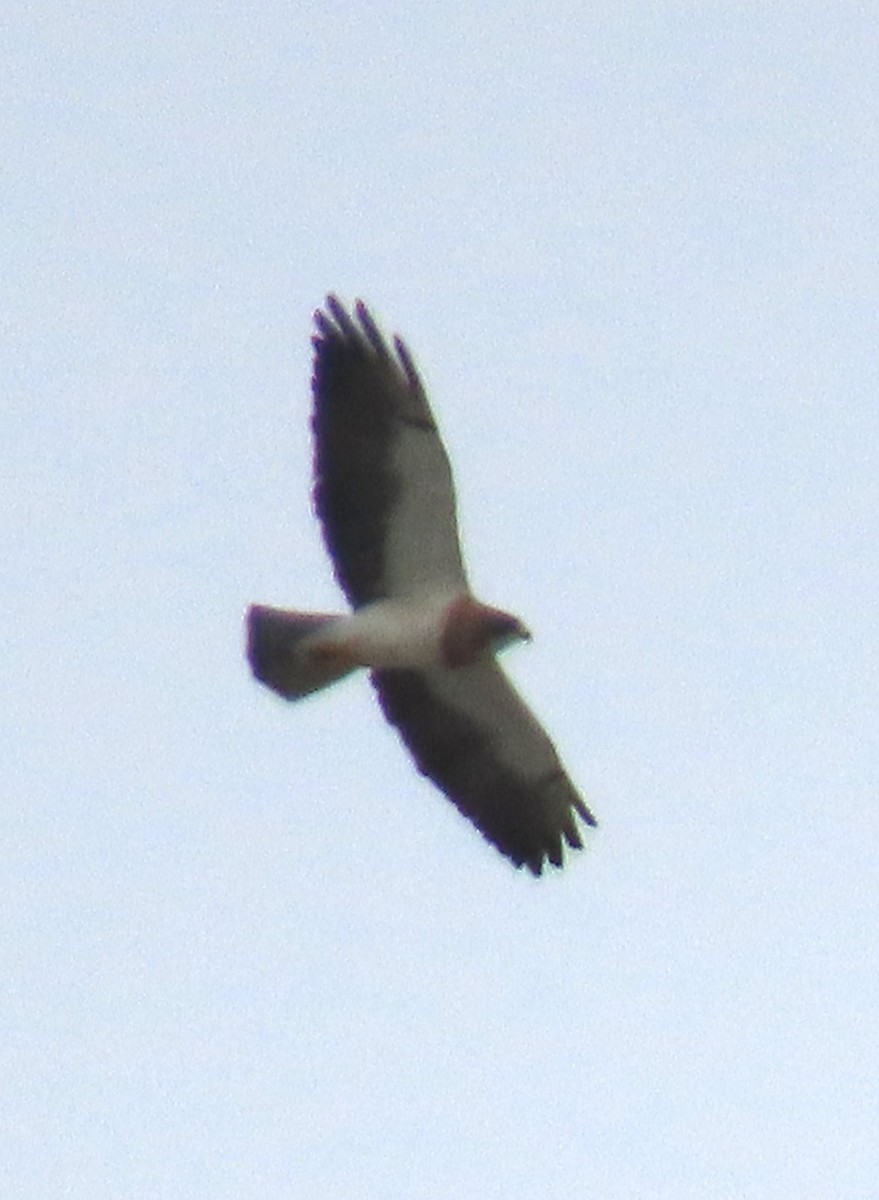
[(383, 486), (474, 736)]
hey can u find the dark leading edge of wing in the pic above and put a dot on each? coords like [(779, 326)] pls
[(528, 820), (364, 395)]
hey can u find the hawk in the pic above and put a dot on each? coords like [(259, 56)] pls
[(385, 498)]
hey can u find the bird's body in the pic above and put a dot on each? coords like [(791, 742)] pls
[(391, 634), (385, 498)]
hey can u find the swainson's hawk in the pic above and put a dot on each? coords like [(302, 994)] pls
[(384, 495)]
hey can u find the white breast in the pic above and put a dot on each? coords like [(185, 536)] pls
[(394, 633)]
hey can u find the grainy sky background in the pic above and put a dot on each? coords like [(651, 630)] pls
[(246, 952)]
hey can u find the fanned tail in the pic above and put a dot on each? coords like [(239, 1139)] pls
[(278, 644)]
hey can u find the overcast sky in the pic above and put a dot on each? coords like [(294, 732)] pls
[(246, 952)]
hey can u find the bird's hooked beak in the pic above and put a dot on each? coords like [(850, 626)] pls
[(522, 632), (507, 629)]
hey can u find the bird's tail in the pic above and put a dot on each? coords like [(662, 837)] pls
[(282, 653)]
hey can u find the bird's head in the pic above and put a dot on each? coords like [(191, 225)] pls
[(473, 629)]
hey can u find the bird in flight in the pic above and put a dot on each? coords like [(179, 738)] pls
[(385, 499)]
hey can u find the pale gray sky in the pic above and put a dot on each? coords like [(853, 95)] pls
[(246, 952)]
